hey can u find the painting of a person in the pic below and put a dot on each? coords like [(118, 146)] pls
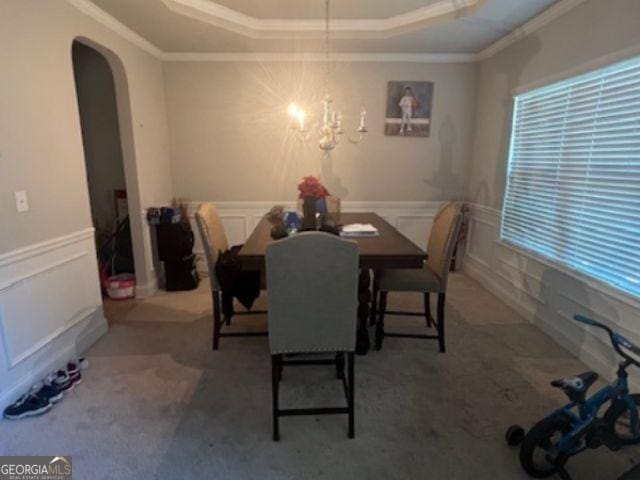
[(406, 105), (408, 108)]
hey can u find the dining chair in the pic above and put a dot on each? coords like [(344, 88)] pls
[(312, 283), (214, 242), (333, 204), (432, 278)]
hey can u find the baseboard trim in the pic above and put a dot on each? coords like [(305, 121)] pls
[(148, 289), (96, 327), (95, 331)]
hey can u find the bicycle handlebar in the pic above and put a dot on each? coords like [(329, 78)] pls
[(588, 321), (617, 340)]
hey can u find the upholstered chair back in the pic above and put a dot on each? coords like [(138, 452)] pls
[(214, 240), (333, 204), (442, 241), (312, 283)]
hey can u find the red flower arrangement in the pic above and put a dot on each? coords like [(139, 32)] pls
[(311, 187)]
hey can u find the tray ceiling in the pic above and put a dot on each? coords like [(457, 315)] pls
[(314, 9), (191, 25)]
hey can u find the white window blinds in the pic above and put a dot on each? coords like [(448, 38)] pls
[(573, 182)]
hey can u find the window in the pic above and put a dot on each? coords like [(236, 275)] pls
[(573, 181)]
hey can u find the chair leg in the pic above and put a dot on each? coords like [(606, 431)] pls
[(352, 384), (427, 309), (374, 299), (276, 365), (227, 307), (441, 305), (382, 308), (216, 319)]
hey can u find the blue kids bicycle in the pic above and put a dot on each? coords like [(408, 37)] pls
[(547, 447)]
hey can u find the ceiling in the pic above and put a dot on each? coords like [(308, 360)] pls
[(306, 9), (295, 26)]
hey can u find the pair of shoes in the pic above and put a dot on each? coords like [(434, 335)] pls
[(29, 405), (49, 389), (42, 396)]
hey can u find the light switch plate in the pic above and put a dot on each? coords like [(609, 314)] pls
[(22, 205)]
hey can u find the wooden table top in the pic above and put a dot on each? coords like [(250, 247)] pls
[(390, 249)]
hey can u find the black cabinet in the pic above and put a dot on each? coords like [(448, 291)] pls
[(175, 249)]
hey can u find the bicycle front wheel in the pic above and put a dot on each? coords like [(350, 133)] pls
[(618, 420), (540, 439)]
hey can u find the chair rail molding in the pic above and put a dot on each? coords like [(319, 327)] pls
[(548, 294), (39, 248), (50, 308)]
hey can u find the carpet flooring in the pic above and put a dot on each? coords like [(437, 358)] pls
[(157, 403)]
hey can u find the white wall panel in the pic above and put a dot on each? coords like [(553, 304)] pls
[(49, 295)]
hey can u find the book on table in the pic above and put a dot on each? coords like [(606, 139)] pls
[(359, 230)]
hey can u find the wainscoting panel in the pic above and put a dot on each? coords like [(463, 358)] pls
[(549, 294), (415, 227), (235, 226), (46, 290), (413, 219)]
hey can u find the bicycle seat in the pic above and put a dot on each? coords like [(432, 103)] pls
[(576, 387)]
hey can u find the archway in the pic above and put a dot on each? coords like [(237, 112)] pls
[(123, 152)]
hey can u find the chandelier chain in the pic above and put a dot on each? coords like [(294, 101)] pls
[(327, 51)]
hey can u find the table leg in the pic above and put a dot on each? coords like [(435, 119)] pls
[(364, 300)]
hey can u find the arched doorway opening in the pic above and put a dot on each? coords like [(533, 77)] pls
[(112, 180)]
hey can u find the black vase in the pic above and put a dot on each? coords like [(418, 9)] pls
[(309, 213)]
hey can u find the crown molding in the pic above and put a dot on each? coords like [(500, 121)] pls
[(536, 23), (544, 18), (224, 17), (92, 10), (319, 57)]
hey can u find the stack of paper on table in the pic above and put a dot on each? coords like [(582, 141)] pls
[(359, 230)]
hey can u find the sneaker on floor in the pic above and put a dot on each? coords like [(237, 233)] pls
[(83, 363), (29, 405), (74, 373), (62, 381), (48, 390)]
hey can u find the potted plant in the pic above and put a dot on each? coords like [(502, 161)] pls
[(313, 195)]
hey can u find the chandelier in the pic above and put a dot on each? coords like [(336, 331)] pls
[(330, 128)]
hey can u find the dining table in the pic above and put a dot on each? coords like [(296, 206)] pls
[(388, 249)]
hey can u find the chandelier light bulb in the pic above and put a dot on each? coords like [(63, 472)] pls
[(300, 116), (293, 110)]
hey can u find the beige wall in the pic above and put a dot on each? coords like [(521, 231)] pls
[(594, 29), (50, 302), (40, 140), (589, 36), (229, 136)]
